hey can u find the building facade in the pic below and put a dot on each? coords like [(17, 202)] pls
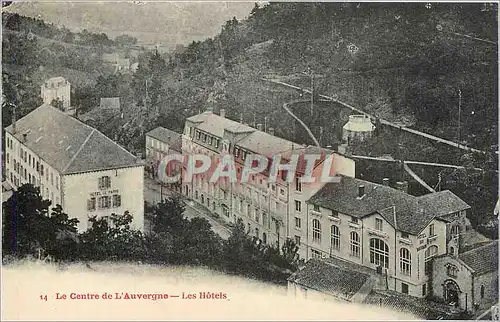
[(57, 88), (271, 211), (382, 228), (468, 280), (74, 166), (159, 143)]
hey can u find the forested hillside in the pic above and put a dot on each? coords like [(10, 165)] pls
[(412, 63)]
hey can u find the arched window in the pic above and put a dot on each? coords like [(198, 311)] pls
[(452, 251), (379, 253), (482, 291), (335, 237), (354, 241), (316, 231), (264, 238), (429, 254), (405, 261)]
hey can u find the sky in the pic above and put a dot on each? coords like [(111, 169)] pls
[(150, 22)]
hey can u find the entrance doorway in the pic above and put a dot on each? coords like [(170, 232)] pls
[(452, 293)]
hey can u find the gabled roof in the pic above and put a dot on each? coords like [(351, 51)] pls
[(413, 214), (172, 138), (482, 259), (329, 278), (68, 145)]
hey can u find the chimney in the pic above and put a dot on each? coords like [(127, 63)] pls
[(259, 127), (25, 137), (385, 182), (271, 131), (222, 112), (402, 185), (361, 191)]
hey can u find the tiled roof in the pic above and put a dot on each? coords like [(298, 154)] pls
[(69, 145), (412, 213), (329, 278), (442, 203), (418, 307), (256, 141), (482, 259), (172, 138), (110, 103)]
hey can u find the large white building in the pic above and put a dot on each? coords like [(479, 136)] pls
[(74, 165), (57, 88), (270, 211)]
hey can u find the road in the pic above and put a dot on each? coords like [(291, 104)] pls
[(152, 195), (385, 122)]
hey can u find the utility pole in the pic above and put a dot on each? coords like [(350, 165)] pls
[(459, 111)]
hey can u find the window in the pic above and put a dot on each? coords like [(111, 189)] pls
[(264, 219), (264, 238), (198, 135), (117, 200), (257, 232), (282, 191), (404, 288), (298, 184), (57, 182), (452, 270), (316, 208), (354, 220), (315, 254), (378, 224), (482, 291), (217, 143), (455, 230), (204, 137), (298, 205), (297, 240), (104, 202), (249, 227), (405, 235), (316, 231), (335, 237), (7, 158), (335, 214), (91, 204), (297, 222), (354, 241), (52, 178), (429, 254), (405, 261), (104, 182), (379, 253), (431, 230), (257, 216), (424, 289)]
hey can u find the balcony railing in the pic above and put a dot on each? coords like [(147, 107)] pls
[(376, 232)]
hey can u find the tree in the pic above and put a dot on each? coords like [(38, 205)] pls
[(28, 229), (111, 237), (57, 103), (168, 216)]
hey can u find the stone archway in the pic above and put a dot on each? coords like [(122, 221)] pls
[(452, 292)]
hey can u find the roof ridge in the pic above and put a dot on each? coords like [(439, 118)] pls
[(482, 246), (78, 151)]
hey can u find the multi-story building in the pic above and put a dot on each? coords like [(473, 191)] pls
[(159, 143), (272, 211), (57, 88), (74, 165), (385, 229)]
